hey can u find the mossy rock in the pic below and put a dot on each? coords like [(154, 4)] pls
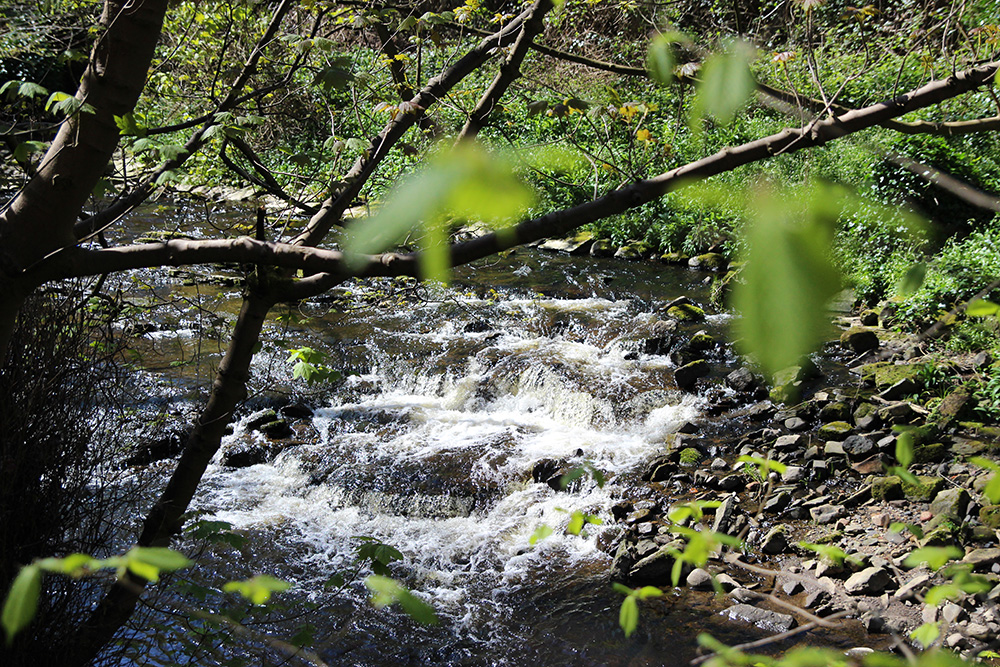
[(277, 429), (924, 490), (701, 341), (633, 250), (602, 248), (710, 261), (690, 456), (859, 339), (944, 534), (835, 411), (887, 488), (890, 374), (837, 430), (674, 258), (989, 516), (829, 538), (686, 312), (930, 452)]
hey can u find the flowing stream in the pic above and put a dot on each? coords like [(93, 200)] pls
[(455, 396)]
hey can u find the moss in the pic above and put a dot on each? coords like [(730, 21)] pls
[(686, 312), (886, 373), (830, 538), (924, 489), (990, 516), (887, 488), (835, 430), (690, 456)]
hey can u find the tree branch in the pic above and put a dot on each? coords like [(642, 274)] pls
[(509, 71)]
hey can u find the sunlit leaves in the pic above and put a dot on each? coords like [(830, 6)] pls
[(628, 615), (386, 591), (992, 488), (540, 534), (26, 89), (377, 554), (22, 601), (26, 148), (982, 308), (66, 105), (465, 184), (310, 365), (912, 279), (725, 84), (934, 557), (789, 276), (129, 125), (926, 634), (258, 589)]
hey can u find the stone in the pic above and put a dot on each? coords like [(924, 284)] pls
[(775, 542), (866, 417), (577, 245), (777, 502), (940, 533), (765, 619), (742, 380), (913, 587), (710, 261), (824, 514), (602, 248), (858, 447), (952, 407), (871, 465), (724, 514), (983, 559), (277, 429), (923, 489), (791, 442), (726, 582), (699, 579), (258, 419), (835, 411), (990, 516), (686, 312), (674, 258), (686, 375), (887, 488), (859, 339), (869, 581), (951, 503), (834, 431), (793, 474), (296, 411), (903, 388), (633, 250), (796, 424), (834, 448)]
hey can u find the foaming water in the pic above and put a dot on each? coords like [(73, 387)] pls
[(432, 450)]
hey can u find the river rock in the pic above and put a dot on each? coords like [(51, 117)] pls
[(655, 569), (296, 411), (869, 581), (724, 515), (260, 418), (659, 469), (866, 416), (602, 248), (765, 619), (859, 339), (710, 261), (742, 380), (923, 488), (686, 312), (983, 559), (699, 579), (633, 250), (835, 411), (953, 407), (990, 516), (577, 245), (775, 542), (858, 447), (686, 375), (834, 431), (951, 503), (278, 429), (827, 513), (903, 388), (674, 258), (157, 450)]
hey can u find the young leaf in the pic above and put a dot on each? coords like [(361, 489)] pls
[(926, 634), (575, 523), (912, 279), (386, 591), (540, 533), (904, 449), (935, 557), (660, 59), (725, 83), (257, 589), (982, 308), (628, 616), (22, 601)]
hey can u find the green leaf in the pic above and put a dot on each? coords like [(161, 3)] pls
[(621, 588), (628, 616), (386, 591), (22, 601), (725, 83), (128, 126), (647, 592), (789, 276), (575, 523), (935, 557), (982, 308), (62, 102), (26, 148), (904, 449), (172, 152), (660, 59), (926, 634), (31, 90), (257, 589), (992, 489), (912, 279), (939, 594), (162, 558), (540, 533)]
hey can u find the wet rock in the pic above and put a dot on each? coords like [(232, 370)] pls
[(686, 312), (724, 515), (258, 419), (742, 380), (157, 450), (278, 429), (246, 454), (699, 579), (951, 503), (547, 471), (296, 411), (859, 340), (633, 250), (602, 248), (777, 502), (656, 568), (710, 261), (660, 469), (642, 404), (793, 475), (674, 258), (869, 581), (866, 417), (577, 245), (686, 375), (765, 619)]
